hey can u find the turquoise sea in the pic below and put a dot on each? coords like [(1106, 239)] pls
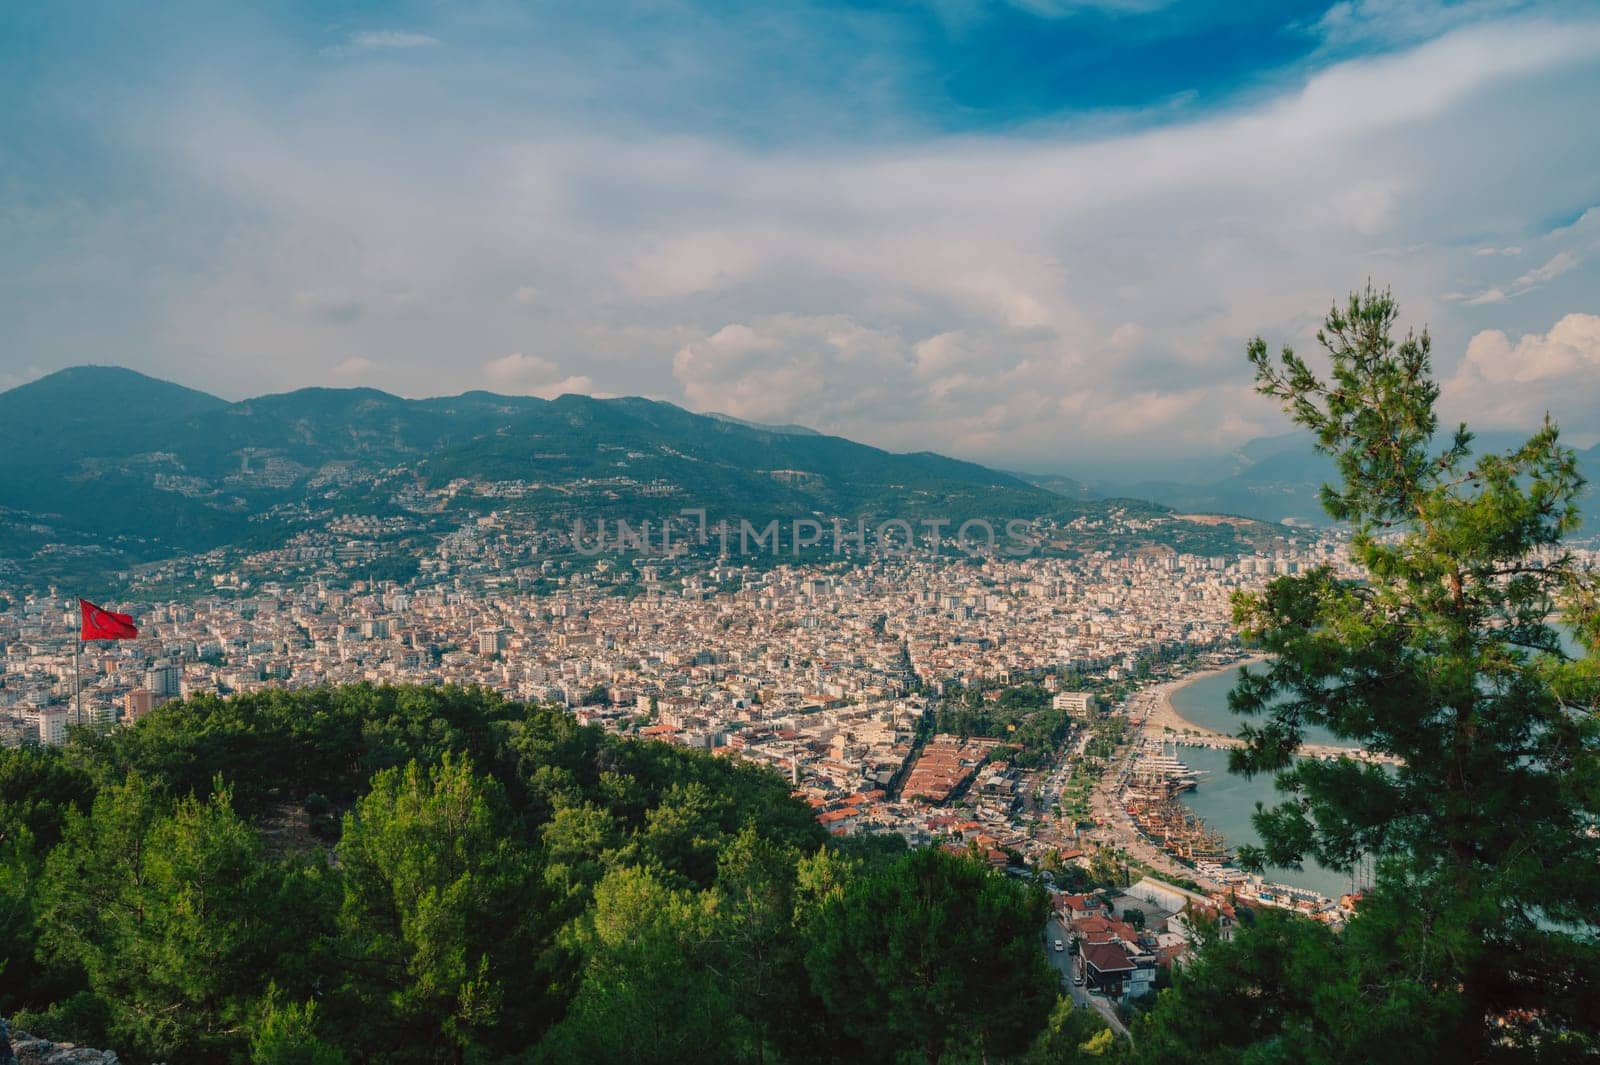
[(1205, 702), (1227, 801)]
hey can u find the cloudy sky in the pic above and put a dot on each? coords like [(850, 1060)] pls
[(1034, 233)]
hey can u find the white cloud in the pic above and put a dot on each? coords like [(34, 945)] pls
[(388, 40), (1558, 265), (1504, 384), (517, 367), (533, 375), (1030, 297), (959, 391), (355, 366), (793, 368), (1352, 22)]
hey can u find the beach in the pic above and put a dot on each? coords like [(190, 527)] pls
[(1153, 707), (1158, 711)]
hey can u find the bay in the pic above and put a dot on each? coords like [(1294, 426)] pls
[(1204, 701), (1227, 801)]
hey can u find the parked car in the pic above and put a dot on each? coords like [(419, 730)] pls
[(1060, 946)]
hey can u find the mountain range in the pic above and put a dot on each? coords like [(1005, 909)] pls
[(103, 467), (1270, 479)]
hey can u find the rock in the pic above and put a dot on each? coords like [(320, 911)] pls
[(22, 1049)]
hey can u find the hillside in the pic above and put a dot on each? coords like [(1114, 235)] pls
[(106, 468), (731, 467), (507, 886)]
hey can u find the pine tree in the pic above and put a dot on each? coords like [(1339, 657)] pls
[(442, 915), (1479, 940), (934, 956), (172, 918)]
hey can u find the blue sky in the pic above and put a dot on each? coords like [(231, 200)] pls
[(1035, 233)]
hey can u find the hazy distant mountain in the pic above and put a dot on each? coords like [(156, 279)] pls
[(787, 430), (1061, 485), (108, 466), (1279, 479)]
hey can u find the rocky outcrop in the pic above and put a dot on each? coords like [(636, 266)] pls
[(20, 1048)]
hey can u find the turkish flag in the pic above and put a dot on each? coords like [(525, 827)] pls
[(105, 624)]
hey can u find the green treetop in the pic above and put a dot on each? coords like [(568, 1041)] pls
[(933, 956), (1478, 941)]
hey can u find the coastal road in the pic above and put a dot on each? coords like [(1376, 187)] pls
[(1116, 824), (1063, 962)]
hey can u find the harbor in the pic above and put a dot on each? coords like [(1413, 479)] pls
[(1156, 792), (1177, 792), (1148, 794)]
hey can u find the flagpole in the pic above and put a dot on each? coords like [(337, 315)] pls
[(77, 680)]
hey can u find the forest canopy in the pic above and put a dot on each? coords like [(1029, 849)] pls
[(410, 874)]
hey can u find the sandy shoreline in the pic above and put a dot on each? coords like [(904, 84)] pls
[(1154, 711), (1155, 704)]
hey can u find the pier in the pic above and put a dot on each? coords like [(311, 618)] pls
[(1153, 711), (1148, 794), (1323, 752)]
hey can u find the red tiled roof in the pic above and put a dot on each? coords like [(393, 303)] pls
[(1107, 957), (1123, 931), (1165, 956)]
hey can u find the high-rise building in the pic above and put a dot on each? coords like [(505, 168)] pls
[(137, 703), (53, 725), (162, 680)]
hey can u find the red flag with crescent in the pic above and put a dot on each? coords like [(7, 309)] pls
[(101, 624)]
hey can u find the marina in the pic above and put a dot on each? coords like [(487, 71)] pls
[(1177, 792), (1149, 795)]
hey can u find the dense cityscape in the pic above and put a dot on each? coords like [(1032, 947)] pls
[(1039, 532), (828, 674), (833, 675)]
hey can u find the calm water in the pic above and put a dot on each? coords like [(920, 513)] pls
[(1205, 702), (1227, 801)]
